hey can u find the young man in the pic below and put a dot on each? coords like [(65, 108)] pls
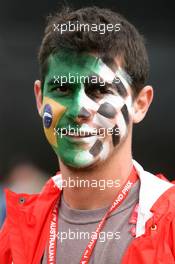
[(102, 207)]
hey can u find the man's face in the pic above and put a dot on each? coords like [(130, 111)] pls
[(86, 108)]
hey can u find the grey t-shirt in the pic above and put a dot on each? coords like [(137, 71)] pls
[(75, 228)]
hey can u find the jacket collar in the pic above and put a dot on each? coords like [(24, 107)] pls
[(151, 188)]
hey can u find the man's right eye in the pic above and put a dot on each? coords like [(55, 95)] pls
[(61, 89)]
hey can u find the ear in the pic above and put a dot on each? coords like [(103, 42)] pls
[(38, 96), (141, 103)]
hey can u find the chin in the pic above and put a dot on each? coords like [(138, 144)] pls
[(82, 167)]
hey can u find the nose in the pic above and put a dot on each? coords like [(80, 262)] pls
[(83, 115), (82, 108)]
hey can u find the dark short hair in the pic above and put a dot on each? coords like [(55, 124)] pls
[(127, 43)]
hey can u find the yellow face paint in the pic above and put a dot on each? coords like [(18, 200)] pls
[(57, 111)]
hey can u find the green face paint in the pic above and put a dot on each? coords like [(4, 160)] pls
[(71, 104)]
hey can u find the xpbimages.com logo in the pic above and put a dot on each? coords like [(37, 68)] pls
[(102, 28)]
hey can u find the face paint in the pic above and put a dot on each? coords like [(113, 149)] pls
[(107, 110), (74, 112), (47, 116)]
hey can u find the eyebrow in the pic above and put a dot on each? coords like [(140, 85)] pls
[(119, 86), (52, 81)]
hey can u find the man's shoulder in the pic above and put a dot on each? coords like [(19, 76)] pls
[(153, 187), (149, 179)]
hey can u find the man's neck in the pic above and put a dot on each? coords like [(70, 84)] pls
[(99, 185)]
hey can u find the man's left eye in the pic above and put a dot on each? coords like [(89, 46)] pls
[(106, 90)]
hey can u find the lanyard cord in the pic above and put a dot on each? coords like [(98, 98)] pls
[(121, 196)]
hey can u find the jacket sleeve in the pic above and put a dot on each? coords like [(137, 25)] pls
[(5, 252), (172, 235)]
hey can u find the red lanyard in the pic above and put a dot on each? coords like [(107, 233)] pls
[(89, 249), (53, 230)]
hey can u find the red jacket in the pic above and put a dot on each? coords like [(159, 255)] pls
[(24, 234)]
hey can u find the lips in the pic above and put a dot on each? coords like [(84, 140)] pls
[(82, 134), (78, 134)]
